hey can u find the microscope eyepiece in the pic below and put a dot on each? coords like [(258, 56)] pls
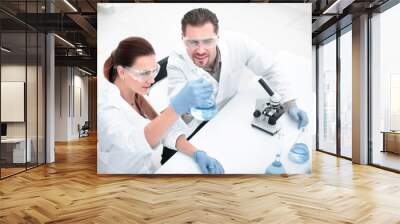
[(266, 87)]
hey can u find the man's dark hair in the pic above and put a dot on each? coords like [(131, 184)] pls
[(199, 17)]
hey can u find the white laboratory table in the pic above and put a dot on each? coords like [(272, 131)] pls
[(239, 147)]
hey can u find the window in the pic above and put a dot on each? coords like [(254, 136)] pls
[(346, 94), (22, 76), (385, 89), (327, 97)]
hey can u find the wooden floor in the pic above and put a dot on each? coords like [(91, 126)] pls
[(5, 172), (10, 171), (70, 191)]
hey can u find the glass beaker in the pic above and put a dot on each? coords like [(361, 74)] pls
[(208, 112)]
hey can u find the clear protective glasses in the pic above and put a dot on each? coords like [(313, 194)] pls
[(208, 42), (143, 75)]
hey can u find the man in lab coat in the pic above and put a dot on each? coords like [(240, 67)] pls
[(224, 57)]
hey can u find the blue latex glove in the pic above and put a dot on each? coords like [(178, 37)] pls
[(196, 93), (208, 165), (299, 116)]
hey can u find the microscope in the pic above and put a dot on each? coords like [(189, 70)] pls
[(268, 111)]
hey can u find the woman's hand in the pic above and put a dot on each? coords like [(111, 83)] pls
[(196, 93)]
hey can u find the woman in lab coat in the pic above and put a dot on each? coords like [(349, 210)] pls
[(129, 128)]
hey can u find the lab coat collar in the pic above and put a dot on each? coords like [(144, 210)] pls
[(107, 87), (224, 52)]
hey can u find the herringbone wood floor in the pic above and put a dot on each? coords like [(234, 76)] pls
[(70, 191)]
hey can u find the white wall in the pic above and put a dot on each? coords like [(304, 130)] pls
[(68, 81), (80, 83), (12, 73), (33, 126), (61, 82), (13, 101), (279, 27)]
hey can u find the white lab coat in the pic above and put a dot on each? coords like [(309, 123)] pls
[(123, 147), (238, 52)]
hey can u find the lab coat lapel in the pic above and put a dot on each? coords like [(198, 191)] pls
[(188, 60), (224, 51)]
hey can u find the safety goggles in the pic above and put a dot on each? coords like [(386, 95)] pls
[(205, 42), (143, 75)]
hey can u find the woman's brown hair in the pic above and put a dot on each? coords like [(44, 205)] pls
[(125, 54)]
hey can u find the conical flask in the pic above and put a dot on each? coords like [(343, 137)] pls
[(299, 152), (208, 112), (276, 167)]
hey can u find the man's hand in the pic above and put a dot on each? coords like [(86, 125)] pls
[(299, 116)]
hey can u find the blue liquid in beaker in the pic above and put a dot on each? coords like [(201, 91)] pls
[(299, 153), (204, 114), (276, 167)]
